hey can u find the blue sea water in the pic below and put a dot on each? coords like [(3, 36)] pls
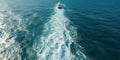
[(37, 30)]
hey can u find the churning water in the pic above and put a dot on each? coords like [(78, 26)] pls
[(54, 44), (83, 30)]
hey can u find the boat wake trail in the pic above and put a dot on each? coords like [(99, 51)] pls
[(9, 49), (57, 37), (9, 25)]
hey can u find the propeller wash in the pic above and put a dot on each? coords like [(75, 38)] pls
[(57, 37)]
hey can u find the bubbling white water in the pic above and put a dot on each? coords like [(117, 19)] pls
[(9, 23), (54, 44)]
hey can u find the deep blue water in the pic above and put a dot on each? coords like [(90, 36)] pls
[(36, 30)]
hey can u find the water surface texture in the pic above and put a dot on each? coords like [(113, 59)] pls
[(38, 30)]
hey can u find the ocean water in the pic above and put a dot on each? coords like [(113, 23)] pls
[(37, 30)]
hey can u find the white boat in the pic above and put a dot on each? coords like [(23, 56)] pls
[(59, 6)]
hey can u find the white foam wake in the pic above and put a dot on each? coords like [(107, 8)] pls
[(9, 23), (54, 44)]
